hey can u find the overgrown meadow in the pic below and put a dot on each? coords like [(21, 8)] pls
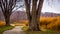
[(52, 23)]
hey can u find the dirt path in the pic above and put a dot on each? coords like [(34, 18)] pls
[(16, 30)]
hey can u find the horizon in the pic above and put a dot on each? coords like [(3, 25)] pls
[(41, 12)]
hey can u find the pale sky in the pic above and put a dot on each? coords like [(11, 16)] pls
[(48, 6), (52, 6)]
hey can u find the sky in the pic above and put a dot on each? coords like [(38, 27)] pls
[(48, 6)]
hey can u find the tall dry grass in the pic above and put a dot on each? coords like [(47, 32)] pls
[(45, 23), (50, 23), (2, 23)]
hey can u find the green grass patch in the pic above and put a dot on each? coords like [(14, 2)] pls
[(40, 32), (4, 28), (25, 28)]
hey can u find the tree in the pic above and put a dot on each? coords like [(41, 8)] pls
[(7, 6), (34, 17)]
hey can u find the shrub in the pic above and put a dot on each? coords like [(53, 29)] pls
[(25, 28), (2, 23)]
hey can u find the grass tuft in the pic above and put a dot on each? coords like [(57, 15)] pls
[(4, 28)]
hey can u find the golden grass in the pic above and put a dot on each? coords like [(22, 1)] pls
[(50, 22), (2, 23), (20, 23), (45, 23)]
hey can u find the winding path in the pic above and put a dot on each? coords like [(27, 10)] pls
[(16, 30)]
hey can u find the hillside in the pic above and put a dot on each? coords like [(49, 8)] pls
[(48, 14)]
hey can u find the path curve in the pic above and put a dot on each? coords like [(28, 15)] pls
[(16, 30)]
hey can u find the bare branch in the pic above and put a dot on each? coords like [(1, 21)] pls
[(14, 3), (1, 5), (18, 7)]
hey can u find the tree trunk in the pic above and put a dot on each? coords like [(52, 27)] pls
[(34, 26), (34, 23), (39, 11), (7, 20), (28, 12), (34, 18)]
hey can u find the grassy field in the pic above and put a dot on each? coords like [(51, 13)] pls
[(50, 23), (4, 28), (45, 23)]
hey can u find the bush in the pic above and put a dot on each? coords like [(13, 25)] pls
[(2, 23), (25, 28)]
